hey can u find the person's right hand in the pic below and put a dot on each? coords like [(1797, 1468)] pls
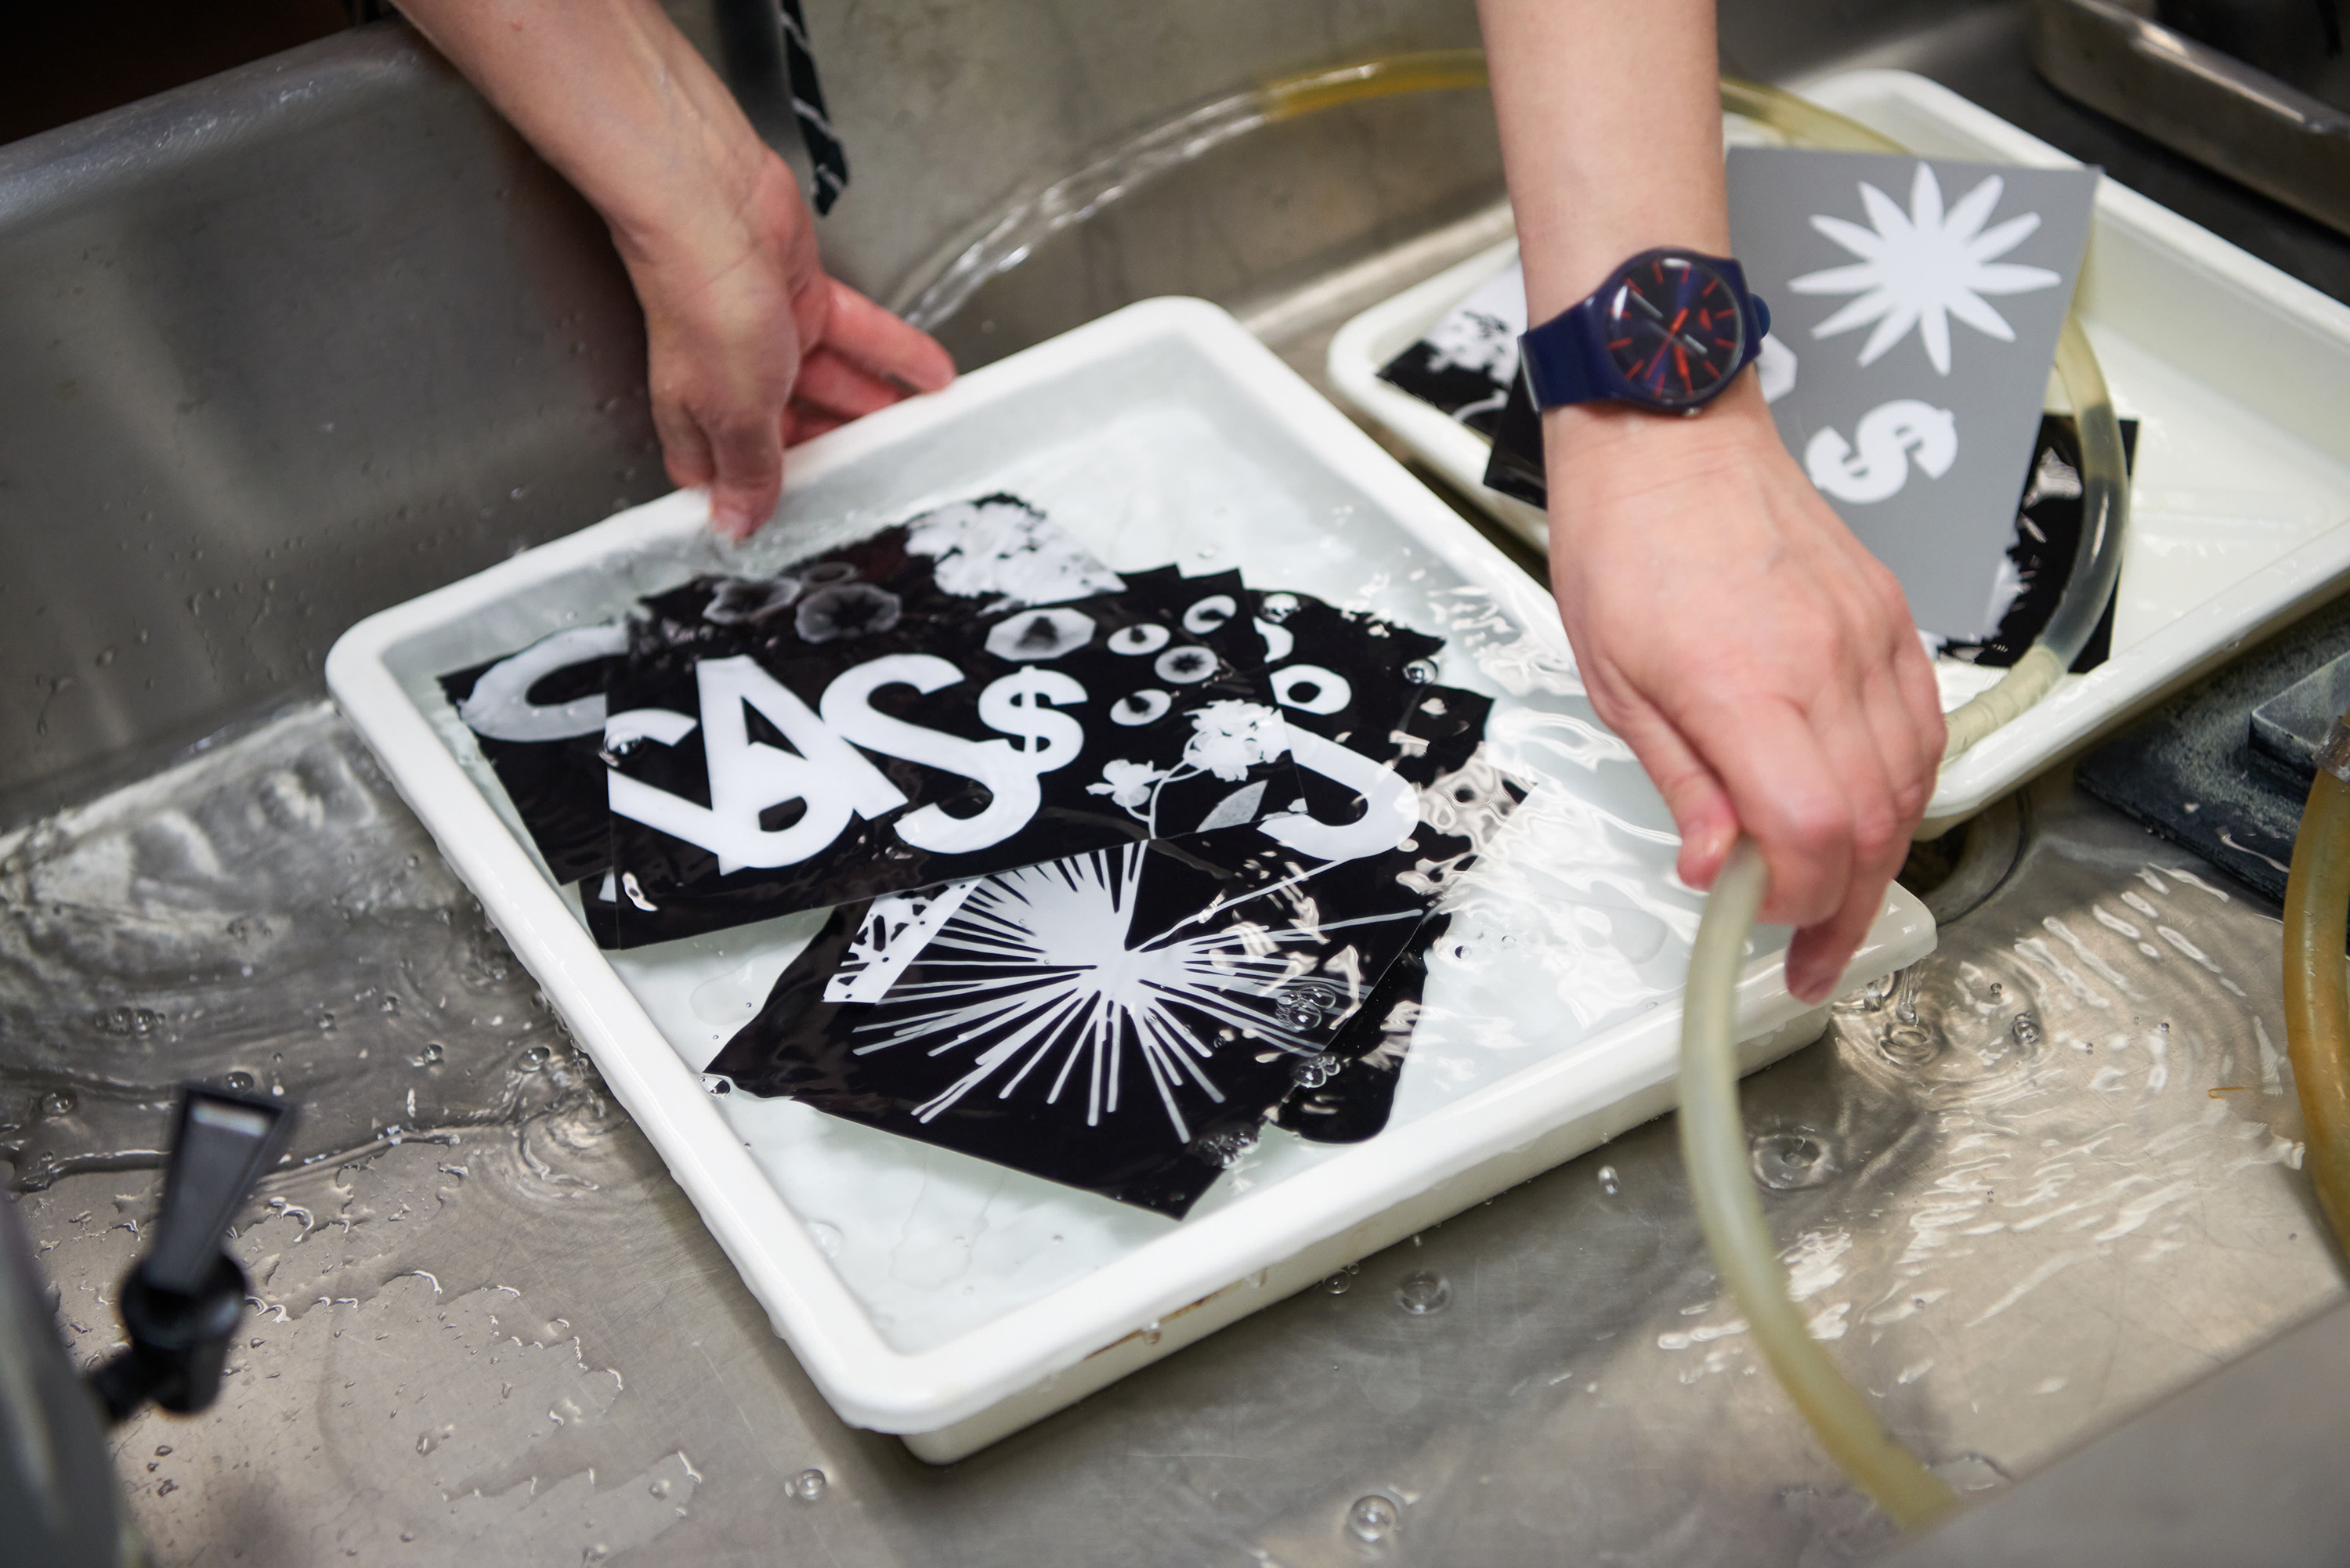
[(753, 348), (1760, 664)]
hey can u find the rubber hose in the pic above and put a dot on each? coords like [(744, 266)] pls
[(1432, 71), (2096, 560), (1714, 1147), (1712, 1135), (2316, 988)]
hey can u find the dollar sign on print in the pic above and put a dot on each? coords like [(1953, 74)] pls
[(1889, 436)]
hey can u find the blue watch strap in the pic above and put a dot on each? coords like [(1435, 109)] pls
[(1558, 359), (1565, 360)]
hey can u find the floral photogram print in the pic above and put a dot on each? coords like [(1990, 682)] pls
[(2040, 561), (1920, 269), (1466, 363), (1054, 977)]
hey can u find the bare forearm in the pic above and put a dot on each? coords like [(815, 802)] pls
[(612, 93), (1611, 131), (1759, 663)]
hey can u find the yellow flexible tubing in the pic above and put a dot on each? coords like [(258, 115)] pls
[(2317, 986), (1434, 70), (1713, 1134), (1713, 1137), (1714, 1147)]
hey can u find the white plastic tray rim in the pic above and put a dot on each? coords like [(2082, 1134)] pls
[(869, 1381)]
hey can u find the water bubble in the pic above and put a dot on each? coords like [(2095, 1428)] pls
[(532, 1060), (1969, 1471), (1223, 1149), (828, 1237), (1422, 1293), (135, 1022), (58, 1102), (1609, 1182), (1906, 1046), (162, 1450), (1785, 1161), (1996, 990), (1372, 1518), (424, 1445), (1339, 1283), (240, 1080), (1313, 1072), (660, 1486), (807, 1486), (2026, 1029), (1869, 997)]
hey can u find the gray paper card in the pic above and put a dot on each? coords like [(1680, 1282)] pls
[(1920, 300)]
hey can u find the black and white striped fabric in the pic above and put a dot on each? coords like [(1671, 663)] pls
[(829, 159)]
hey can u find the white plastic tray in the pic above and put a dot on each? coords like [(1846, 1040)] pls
[(2239, 374), (934, 1295)]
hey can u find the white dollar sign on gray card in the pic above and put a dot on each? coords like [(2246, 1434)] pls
[(1888, 435)]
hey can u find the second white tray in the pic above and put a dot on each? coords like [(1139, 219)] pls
[(2238, 374)]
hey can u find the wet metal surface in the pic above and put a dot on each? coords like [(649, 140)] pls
[(2046, 1177), (2045, 1180), (2274, 137)]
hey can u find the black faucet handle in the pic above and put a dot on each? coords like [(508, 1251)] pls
[(182, 1301), (224, 1143)]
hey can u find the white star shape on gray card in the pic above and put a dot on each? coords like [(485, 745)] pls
[(1921, 267)]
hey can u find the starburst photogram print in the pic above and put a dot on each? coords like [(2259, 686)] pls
[(1921, 267), (1045, 976)]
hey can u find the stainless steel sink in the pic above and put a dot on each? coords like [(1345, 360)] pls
[(2216, 108), (302, 341)]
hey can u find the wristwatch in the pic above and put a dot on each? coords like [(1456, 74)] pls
[(1667, 332)]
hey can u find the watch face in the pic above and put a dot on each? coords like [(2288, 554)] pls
[(1673, 327)]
